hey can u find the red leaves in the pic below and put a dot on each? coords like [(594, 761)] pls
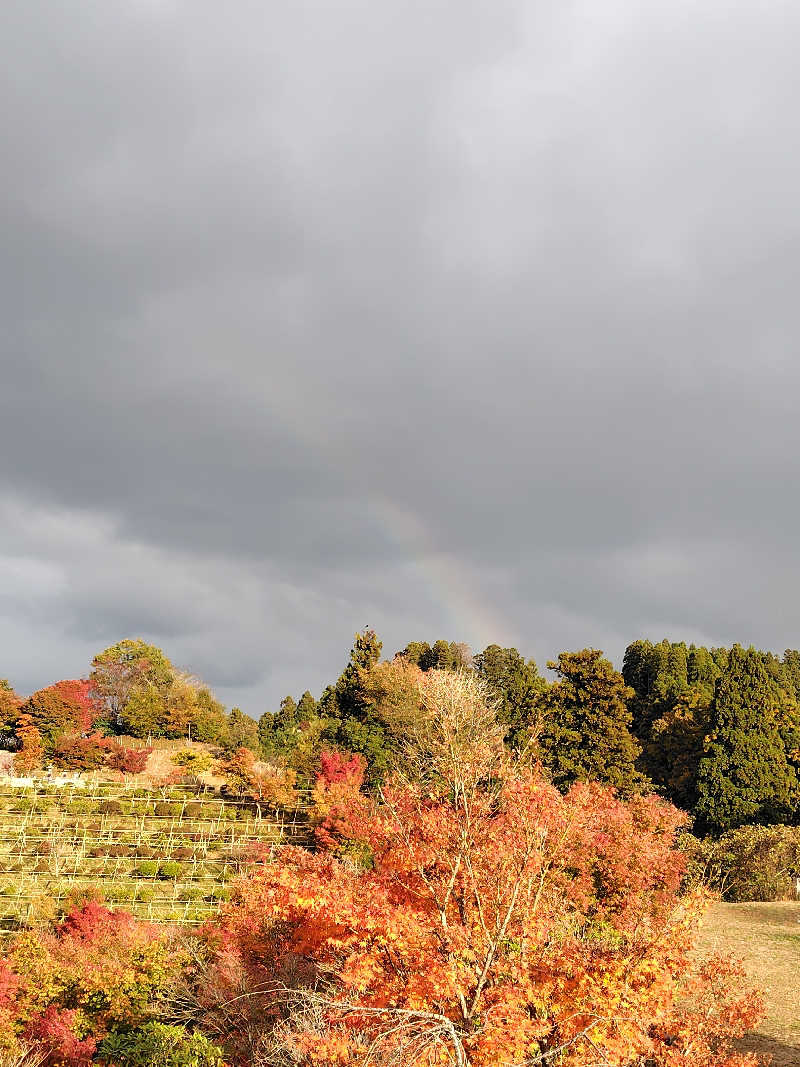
[(526, 920), (76, 692), (128, 760), (93, 921), (342, 768), (54, 1031), (64, 706)]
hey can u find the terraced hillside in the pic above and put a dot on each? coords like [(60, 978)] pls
[(168, 855)]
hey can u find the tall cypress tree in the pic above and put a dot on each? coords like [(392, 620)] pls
[(586, 735), (744, 775), (357, 728)]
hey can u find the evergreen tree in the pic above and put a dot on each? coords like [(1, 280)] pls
[(365, 653), (442, 656), (516, 685), (242, 731), (306, 708), (658, 676), (791, 667), (420, 654), (672, 753), (744, 775), (701, 671), (277, 731), (586, 732), (356, 727)]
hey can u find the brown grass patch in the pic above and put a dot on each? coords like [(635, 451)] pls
[(766, 937)]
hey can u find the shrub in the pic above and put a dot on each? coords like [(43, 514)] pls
[(128, 760), (275, 785), (147, 869), (159, 1045), (193, 761), (81, 753), (748, 863), (170, 870), (110, 807)]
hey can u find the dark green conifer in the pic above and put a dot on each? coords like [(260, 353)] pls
[(516, 685), (744, 775), (586, 733)]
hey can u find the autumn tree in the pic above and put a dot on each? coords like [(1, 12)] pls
[(246, 776), (239, 770), (145, 695), (10, 703), (30, 750), (585, 734), (98, 973), (210, 722), (76, 752), (193, 761), (487, 928), (130, 669), (392, 697), (128, 760), (62, 708)]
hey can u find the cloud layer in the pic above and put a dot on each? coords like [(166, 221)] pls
[(460, 319)]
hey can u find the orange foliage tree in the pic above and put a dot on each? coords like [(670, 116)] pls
[(10, 703), (30, 752), (494, 922), (62, 708)]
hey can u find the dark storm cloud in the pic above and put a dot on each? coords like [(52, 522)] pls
[(467, 319)]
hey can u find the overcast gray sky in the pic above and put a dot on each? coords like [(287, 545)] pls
[(473, 319)]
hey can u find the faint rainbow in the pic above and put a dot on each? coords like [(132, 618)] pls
[(470, 617)]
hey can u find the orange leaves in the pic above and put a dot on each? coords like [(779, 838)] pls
[(504, 922)]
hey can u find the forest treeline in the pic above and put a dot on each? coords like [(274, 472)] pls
[(716, 731)]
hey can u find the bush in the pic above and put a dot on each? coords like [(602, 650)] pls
[(110, 807), (159, 1045), (148, 869), (128, 760), (170, 870), (81, 753), (747, 864), (193, 761)]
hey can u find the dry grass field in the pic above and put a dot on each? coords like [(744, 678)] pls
[(766, 937)]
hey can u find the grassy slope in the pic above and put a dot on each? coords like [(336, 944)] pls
[(767, 938)]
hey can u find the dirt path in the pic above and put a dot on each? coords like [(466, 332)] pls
[(766, 937)]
